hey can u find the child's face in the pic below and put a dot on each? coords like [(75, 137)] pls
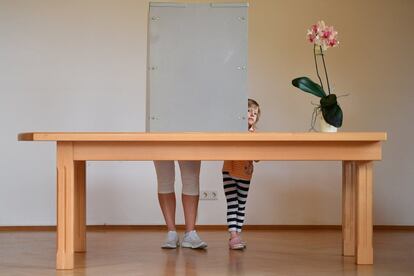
[(252, 115)]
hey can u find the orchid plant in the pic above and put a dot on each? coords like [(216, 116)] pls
[(322, 37)]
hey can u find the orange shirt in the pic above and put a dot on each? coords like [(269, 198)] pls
[(239, 169)]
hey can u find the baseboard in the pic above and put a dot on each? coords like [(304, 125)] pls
[(202, 227)]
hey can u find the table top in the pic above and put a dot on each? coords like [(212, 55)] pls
[(203, 136)]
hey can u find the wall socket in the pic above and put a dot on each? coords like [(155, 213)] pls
[(208, 195)]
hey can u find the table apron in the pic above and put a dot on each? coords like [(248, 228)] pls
[(226, 150)]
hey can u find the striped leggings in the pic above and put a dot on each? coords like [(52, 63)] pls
[(236, 191)]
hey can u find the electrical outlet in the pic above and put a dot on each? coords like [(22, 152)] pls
[(208, 195)]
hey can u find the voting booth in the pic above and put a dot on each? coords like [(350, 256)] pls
[(197, 67)]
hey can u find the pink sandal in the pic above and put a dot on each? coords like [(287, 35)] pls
[(243, 242), (236, 244)]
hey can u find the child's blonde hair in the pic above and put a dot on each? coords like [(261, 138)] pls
[(253, 103)]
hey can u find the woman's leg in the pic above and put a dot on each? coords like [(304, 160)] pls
[(190, 206), (166, 196), (190, 176), (167, 204)]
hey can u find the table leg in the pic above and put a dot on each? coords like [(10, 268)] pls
[(364, 250), (80, 206), (348, 208), (65, 205)]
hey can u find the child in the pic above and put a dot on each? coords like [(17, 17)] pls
[(236, 182)]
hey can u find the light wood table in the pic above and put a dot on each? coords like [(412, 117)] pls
[(357, 151)]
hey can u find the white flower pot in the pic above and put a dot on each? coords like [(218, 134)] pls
[(325, 127)]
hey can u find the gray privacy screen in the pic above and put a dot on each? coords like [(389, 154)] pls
[(197, 67)]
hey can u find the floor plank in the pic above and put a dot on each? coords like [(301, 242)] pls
[(284, 252)]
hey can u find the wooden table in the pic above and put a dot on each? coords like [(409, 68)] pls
[(357, 151)]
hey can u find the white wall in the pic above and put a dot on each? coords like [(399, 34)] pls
[(80, 66)]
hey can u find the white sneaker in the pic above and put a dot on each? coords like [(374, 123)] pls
[(192, 240), (171, 241)]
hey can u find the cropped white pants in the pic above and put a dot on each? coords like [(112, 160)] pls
[(190, 176)]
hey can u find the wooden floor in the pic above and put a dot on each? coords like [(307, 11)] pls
[(284, 252)]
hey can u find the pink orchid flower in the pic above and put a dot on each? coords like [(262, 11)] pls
[(321, 35)]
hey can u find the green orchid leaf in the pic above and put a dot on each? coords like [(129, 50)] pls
[(307, 85), (328, 101), (332, 114)]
